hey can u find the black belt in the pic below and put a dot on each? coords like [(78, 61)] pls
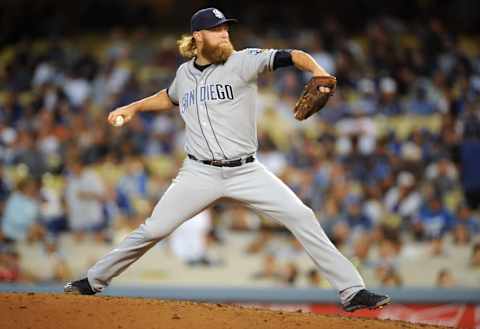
[(224, 163)]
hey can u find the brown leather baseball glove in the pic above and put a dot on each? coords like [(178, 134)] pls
[(312, 99)]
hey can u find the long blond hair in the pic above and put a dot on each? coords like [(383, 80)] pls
[(187, 46)]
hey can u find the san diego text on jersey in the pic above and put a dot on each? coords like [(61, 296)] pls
[(211, 92)]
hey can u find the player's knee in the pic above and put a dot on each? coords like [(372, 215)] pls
[(302, 212), (158, 232), (158, 229), (305, 219), (308, 213)]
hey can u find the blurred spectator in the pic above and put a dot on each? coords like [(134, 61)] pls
[(340, 234), (44, 73), (445, 279), (9, 266), (21, 218), (464, 217), (433, 220), (331, 216), (271, 157), (388, 103), (361, 252), (420, 103), (367, 103), (387, 265), (269, 270), (413, 151), (443, 175), (4, 190), (475, 257), (77, 89), (461, 235), (357, 222), (391, 278), (189, 241), (132, 186), (403, 199), (52, 210), (10, 109), (323, 57), (374, 207), (55, 267), (290, 274), (336, 108), (260, 242), (315, 279), (84, 195), (28, 154), (437, 247)]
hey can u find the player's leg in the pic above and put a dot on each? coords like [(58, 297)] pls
[(263, 191), (195, 187)]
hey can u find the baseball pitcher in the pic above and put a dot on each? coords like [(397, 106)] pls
[(215, 91)]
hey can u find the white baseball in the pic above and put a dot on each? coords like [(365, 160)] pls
[(119, 121)]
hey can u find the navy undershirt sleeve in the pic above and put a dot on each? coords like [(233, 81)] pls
[(283, 58)]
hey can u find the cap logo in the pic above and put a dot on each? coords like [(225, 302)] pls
[(218, 14)]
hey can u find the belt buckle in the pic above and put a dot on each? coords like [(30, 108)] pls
[(217, 163)]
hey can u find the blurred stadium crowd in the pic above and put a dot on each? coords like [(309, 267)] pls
[(390, 166)]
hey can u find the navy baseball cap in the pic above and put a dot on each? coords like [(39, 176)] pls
[(208, 18)]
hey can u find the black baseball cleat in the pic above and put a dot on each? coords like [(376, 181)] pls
[(80, 287), (366, 299)]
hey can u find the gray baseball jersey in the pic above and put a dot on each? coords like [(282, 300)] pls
[(218, 104)]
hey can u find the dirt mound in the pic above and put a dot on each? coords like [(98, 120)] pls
[(34, 311)]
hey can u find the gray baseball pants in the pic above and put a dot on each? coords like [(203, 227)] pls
[(197, 186)]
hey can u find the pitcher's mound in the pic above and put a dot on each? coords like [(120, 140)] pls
[(35, 311)]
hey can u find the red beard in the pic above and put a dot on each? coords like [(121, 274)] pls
[(217, 54)]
